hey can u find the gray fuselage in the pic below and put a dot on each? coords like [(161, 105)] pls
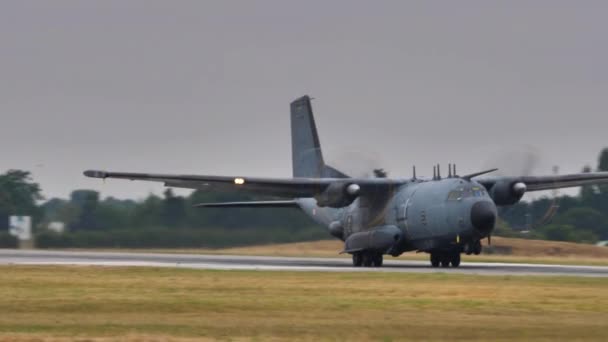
[(431, 214)]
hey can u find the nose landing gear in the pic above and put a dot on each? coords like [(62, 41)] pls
[(445, 259), (473, 248)]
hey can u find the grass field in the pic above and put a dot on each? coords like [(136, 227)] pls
[(58, 303)]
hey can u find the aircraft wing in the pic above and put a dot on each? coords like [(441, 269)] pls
[(281, 187), (537, 183)]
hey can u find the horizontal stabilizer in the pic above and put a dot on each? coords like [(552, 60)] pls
[(250, 204)]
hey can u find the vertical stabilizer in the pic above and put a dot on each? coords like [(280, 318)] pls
[(306, 152)]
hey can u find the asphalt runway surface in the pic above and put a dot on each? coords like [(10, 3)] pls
[(232, 262)]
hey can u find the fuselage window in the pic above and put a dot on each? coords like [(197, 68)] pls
[(454, 195)]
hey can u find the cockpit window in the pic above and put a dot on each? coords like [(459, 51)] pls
[(478, 192), (458, 194)]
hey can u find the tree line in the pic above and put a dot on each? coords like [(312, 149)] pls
[(156, 221), (173, 221)]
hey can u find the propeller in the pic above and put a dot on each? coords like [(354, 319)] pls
[(356, 162), (516, 161)]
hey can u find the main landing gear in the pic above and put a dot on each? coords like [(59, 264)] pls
[(445, 259), (367, 259)]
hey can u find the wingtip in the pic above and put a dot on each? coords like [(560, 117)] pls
[(95, 174)]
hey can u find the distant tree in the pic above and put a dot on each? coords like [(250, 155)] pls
[(541, 210), (84, 203), (174, 209), (584, 218), (147, 214), (502, 229), (566, 203), (18, 196), (516, 216), (113, 213), (53, 209), (559, 232)]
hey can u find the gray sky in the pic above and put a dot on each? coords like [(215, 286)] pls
[(204, 86)]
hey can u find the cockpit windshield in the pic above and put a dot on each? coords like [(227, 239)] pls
[(466, 192)]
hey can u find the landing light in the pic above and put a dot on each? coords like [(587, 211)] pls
[(239, 181)]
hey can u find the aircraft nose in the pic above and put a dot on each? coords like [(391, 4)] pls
[(483, 217)]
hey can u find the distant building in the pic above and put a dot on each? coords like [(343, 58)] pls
[(602, 243), (21, 227), (57, 227)]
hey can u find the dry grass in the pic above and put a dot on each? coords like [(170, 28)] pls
[(519, 248), (542, 248), (141, 304), (522, 250), (323, 248)]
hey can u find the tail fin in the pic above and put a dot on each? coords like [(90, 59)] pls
[(306, 152)]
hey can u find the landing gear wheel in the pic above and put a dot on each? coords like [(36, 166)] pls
[(378, 259), (468, 249), (445, 263), (368, 259), (477, 247), (455, 260), (435, 259), (357, 259)]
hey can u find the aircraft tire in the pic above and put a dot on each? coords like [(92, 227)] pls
[(357, 259), (368, 259), (378, 260), (445, 260), (455, 260), (477, 248), (468, 249), (435, 260)]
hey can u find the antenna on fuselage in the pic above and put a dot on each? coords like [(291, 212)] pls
[(438, 171), (454, 173), (449, 170), (414, 172), (434, 172)]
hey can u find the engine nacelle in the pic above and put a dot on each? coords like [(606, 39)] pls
[(507, 193), (336, 228), (338, 195)]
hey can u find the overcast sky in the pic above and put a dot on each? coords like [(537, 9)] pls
[(204, 86)]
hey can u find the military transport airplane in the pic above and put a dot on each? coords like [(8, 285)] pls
[(443, 216)]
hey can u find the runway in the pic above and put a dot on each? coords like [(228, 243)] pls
[(231, 262)]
